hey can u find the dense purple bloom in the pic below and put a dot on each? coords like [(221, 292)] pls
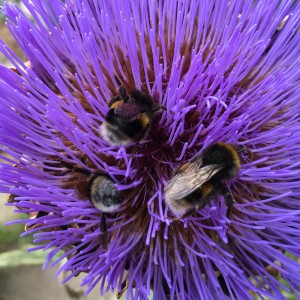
[(226, 71)]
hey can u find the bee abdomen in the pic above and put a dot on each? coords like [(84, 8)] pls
[(126, 130), (199, 196), (113, 134), (104, 195)]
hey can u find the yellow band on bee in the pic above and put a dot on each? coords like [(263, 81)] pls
[(234, 153), (117, 104), (144, 119)]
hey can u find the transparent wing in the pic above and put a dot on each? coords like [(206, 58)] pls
[(193, 166), (192, 178)]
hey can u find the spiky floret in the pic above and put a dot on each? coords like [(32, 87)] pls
[(224, 73)]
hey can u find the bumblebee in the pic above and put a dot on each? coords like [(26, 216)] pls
[(129, 117), (194, 183), (99, 189), (102, 193)]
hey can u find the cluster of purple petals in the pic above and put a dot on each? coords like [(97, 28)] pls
[(226, 71)]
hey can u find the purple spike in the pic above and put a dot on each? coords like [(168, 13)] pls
[(224, 71)]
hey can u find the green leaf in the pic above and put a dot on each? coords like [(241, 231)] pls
[(20, 257), (10, 236)]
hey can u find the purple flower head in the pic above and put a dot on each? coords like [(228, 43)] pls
[(222, 71)]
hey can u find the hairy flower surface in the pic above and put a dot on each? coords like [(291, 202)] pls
[(224, 71)]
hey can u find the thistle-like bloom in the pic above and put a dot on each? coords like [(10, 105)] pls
[(225, 71)]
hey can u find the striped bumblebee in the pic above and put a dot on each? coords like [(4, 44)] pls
[(195, 182), (129, 117)]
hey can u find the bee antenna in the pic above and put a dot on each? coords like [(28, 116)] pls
[(75, 168), (103, 228), (247, 150), (240, 149), (117, 80), (122, 91)]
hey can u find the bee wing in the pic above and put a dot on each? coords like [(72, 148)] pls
[(183, 184), (129, 112)]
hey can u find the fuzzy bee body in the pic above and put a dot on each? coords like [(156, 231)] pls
[(103, 194), (193, 184), (128, 118)]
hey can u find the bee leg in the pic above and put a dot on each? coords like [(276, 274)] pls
[(223, 285), (67, 165), (103, 229), (74, 168), (229, 200), (124, 287)]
